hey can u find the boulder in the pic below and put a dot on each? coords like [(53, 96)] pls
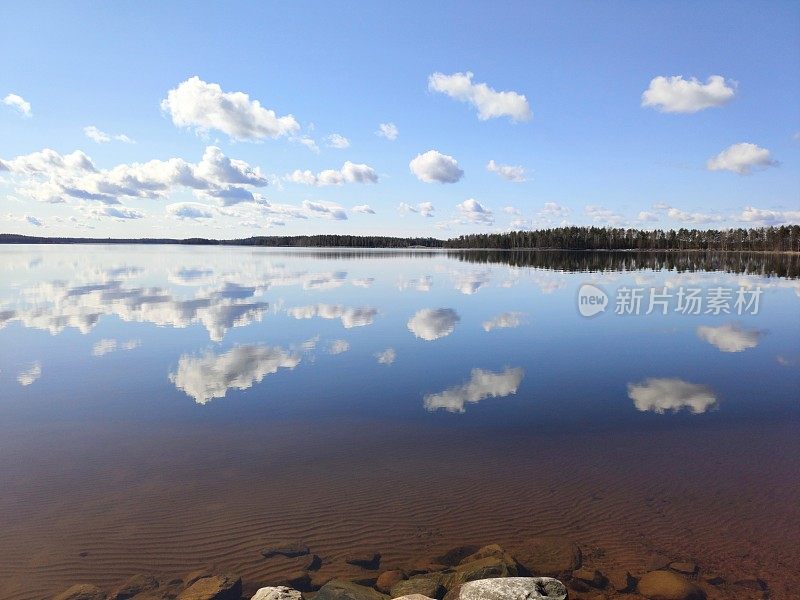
[(287, 549), (455, 555), (314, 563), (369, 561), (414, 597), (300, 580), (389, 579), (215, 587), (548, 556), (138, 584), (666, 585), (592, 577), (687, 568), (339, 589), (82, 591), (514, 588), (428, 584), (280, 592), (622, 581)]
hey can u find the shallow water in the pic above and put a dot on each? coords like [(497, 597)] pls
[(167, 407)]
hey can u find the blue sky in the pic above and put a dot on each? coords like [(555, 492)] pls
[(715, 141)]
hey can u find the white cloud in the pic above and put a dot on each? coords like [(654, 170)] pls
[(426, 209), (386, 357), (431, 324), (692, 217), (504, 321), (507, 172), (647, 216), (603, 215), (678, 95), (512, 210), (204, 106), (475, 212), (338, 347), (387, 130), (190, 210), (363, 209), (730, 337), (741, 158), (349, 173), (101, 137), (114, 212), (660, 395), (211, 375), (27, 219), (433, 166), (325, 210), (48, 176), (350, 317), (31, 374), (761, 216), (482, 384), (336, 140), (19, 104), (490, 103)]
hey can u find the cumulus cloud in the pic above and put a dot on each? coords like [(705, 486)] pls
[(603, 215), (31, 374), (678, 95), (19, 104), (386, 357), (388, 131), (190, 210), (336, 140), (741, 158), (490, 103), (507, 172), (426, 209), (49, 176), (730, 337), (750, 214), (475, 212), (101, 137), (433, 323), (211, 375), (660, 395), (338, 347), (363, 209), (482, 384), (325, 211), (350, 317), (692, 217), (114, 212), (204, 106), (435, 167), (26, 219), (504, 321), (349, 173)]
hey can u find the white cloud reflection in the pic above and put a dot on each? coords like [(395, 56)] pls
[(481, 385), (433, 323), (730, 337), (31, 374), (350, 317), (660, 395), (386, 357), (504, 320)]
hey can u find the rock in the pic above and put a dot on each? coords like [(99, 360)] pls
[(299, 581), (429, 584), (713, 579), (666, 585), (593, 577), (514, 588), (215, 587), (280, 592), (455, 555), (287, 549), (388, 579), (426, 567), (366, 561), (622, 581), (137, 584), (190, 578), (314, 563), (414, 597), (339, 589), (548, 556), (752, 584), (82, 591), (687, 568)]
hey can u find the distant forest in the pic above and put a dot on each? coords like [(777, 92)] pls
[(763, 239)]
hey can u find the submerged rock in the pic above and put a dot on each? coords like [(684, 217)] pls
[(280, 592), (339, 589), (514, 588), (287, 549), (137, 584), (428, 584), (369, 561), (389, 579), (666, 585), (82, 591), (549, 556), (217, 587), (592, 577), (687, 568)]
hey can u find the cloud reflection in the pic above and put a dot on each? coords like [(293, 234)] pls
[(730, 337), (31, 374), (211, 375), (386, 357), (433, 323), (504, 321), (481, 385), (660, 395), (350, 317)]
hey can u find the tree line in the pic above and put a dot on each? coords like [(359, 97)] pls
[(785, 238)]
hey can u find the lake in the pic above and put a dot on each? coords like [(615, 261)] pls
[(168, 408)]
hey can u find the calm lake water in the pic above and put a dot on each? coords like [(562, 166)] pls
[(164, 408)]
